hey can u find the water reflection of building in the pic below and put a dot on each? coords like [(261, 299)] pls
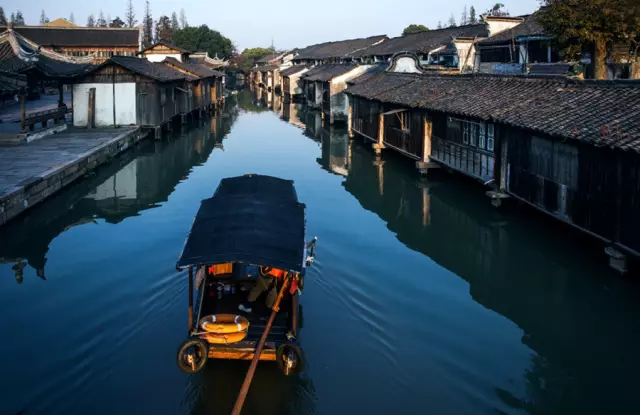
[(336, 149), (544, 284), (313, 124), (292, 113), (139, 180)]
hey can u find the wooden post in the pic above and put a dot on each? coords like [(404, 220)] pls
[(350, 118), (60, 94), (426, 146), (499, 133), (191, 298), (92, 108), (23, 112)]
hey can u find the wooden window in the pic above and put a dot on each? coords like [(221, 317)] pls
[(474, 133), (490, 138), (481, 135), (465, 133)]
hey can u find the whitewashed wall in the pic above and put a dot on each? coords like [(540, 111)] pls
[(125, 103), (294, 83), (104, 104), (160, 57), (339, 100), (496, 27)]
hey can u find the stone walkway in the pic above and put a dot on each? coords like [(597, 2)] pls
[(31, 172)]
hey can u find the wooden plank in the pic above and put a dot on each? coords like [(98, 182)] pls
[(266, 355)]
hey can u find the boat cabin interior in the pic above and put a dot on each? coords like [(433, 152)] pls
[(222, 288)]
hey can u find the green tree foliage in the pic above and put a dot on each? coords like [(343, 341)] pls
[(592, 25), (163, 29), (183, 20), (147, 27), (473, 18), (175, 24), (18, 20), (497, 10), (464, 19), (130, 15), (3, 18), (91, 21), (247, 59), (439, 25), (414, 28), (203, 39), (117, 22)]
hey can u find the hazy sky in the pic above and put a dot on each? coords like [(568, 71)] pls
[(290, 23)]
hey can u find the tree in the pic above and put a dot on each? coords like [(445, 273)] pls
[(12, 19), (452, 21), (117, 22), (183, 20), (203, 39), (18, 20), (101, 22), (593, 25), (439, 25), (163, 29), (147, 26), (497, 10), (464, 20), (72, 18), (247, 59), (3, 18), (43, 18), (130, 15), (175, 24), (108, 20), (91, 21), (414, 28), (473, 19)]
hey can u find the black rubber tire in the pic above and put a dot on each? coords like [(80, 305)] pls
[(201, 349), (297, 350)]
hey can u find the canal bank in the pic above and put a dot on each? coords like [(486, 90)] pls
[(32, 172), (441, 300)]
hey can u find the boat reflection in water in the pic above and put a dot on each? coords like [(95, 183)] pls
[(138, 180)]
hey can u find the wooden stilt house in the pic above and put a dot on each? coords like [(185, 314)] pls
[(128, 90), (567, 147), (207, 91)]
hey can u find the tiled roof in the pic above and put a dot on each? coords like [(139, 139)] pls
[(327, 72), (11, 83), (197, 69), (265, 68), (79, 36), (374, 71), (269, 58), (423, 42), (167, 44), (44, 62), (529, 27), (341, 49), (156, 71), (293, 70), (602, 113)]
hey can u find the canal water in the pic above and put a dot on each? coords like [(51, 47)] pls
[(423, 299)]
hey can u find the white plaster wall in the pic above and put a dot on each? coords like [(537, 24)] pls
[(523, 53), (466, 55), (126, 103), (104, 104), (497, 27), (339, 100), (294, 83), (160, 57), (406, 65)]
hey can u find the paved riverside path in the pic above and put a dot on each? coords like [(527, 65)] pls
[(31, 172)]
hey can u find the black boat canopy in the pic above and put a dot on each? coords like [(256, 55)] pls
[(252, 219)]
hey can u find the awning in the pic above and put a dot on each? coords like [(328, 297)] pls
[(252, 219)]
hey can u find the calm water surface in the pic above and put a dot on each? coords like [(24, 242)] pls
[(423, 299)]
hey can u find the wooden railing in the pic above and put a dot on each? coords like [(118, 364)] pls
[(403, 141), (55, 114)]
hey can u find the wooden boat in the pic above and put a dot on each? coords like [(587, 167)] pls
[(252, 230)]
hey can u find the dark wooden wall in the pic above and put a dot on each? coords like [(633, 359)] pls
[(404, 131), (597, 189), (365, 117)]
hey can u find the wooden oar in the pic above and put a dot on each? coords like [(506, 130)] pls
[(237, 408)]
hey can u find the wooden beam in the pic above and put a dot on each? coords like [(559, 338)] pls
[(92, 108), (23, 112)]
